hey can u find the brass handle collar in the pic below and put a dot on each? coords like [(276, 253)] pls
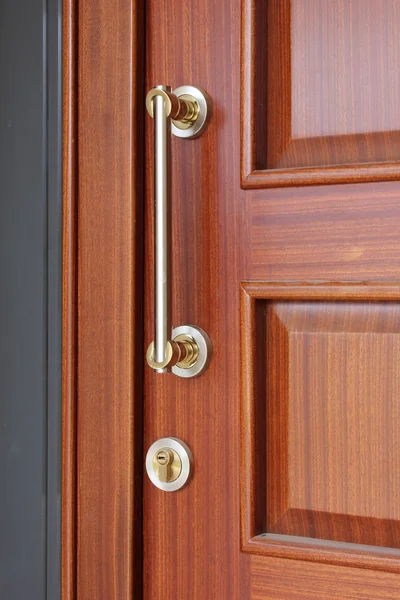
[(182, 351), (184, 110)]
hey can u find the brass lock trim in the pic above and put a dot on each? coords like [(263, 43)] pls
[(169, 469), (186, 458)]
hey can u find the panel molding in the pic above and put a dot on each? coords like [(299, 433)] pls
[(253, 178), (254, 540)]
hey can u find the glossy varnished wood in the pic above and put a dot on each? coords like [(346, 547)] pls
[(198, 532), (340, 87), (332, 421), (103, 181), (319, 97), (343, 225), (348, 464), (270, 581), (223, 235)]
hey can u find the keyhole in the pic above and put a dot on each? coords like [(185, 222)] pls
[(165, 458)]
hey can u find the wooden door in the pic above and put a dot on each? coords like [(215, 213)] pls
[(286, 250)]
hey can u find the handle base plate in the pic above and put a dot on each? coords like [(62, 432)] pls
[(194, 94), (203, 343)]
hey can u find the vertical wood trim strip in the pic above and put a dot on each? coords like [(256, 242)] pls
[(109, 281), (247, 426), (248, 91), (103, 74), (69, 308)]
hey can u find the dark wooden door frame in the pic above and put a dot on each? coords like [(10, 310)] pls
[(103, 114)]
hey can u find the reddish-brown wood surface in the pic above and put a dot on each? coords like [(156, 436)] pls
[(197, 528), (344, 225), (333, 583), (298, 479), (333, 421), (351, 121), (322, 108), (222, 236), (102, 361)]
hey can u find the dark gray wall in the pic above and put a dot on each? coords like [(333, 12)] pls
[(30, 299)]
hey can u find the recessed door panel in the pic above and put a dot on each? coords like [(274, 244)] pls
[(323, 407), (321, 92)]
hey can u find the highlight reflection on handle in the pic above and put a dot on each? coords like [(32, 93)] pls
[(162, 243)]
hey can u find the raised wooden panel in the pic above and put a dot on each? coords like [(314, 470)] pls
[(333, 416), (320, 420), (320, 95)]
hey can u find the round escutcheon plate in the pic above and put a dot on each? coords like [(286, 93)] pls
[(186, 458), (204, 345), (188, 92)]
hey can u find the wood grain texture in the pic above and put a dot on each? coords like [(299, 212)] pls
[(333, 421), (223, 235), (328, 63), (69, 309), (317, 455), (110, 181), (343, 226), (319, 97), (270, 580), (198, 527)]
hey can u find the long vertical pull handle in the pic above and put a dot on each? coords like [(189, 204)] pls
[(161, 107), (184, 350)]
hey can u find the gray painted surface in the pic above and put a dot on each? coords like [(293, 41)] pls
[(30, 299)]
